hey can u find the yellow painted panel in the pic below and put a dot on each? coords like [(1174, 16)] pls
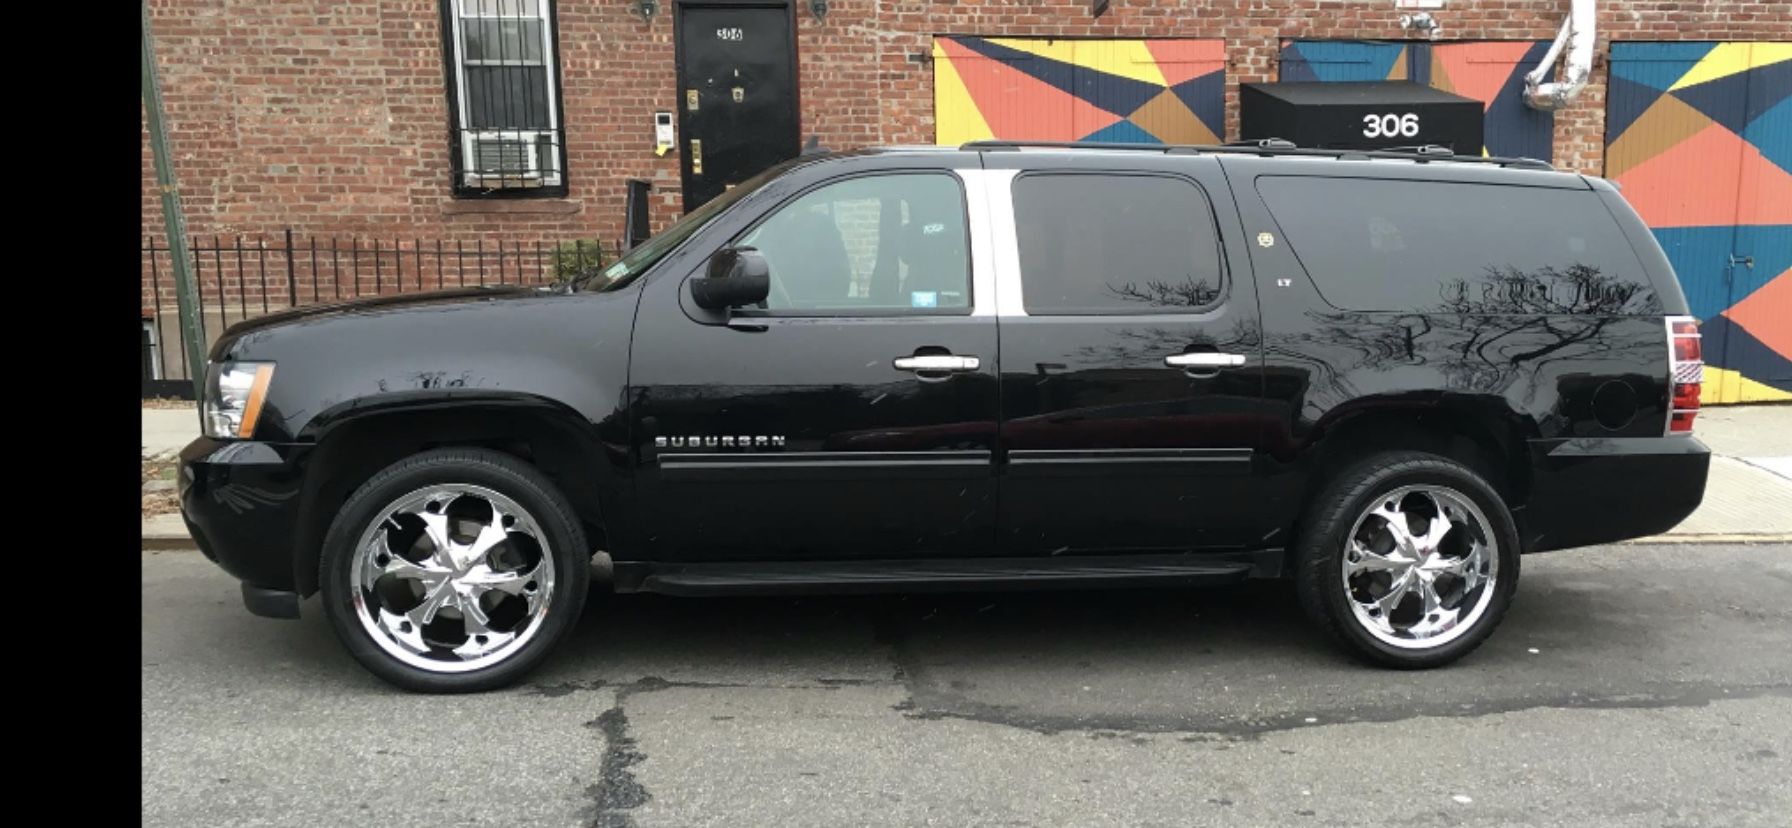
[(1124, 58), (1769, 53), (1724, 59), (1724, 386)]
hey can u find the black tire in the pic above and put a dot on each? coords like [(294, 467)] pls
[(501, 473), (1321, 548)]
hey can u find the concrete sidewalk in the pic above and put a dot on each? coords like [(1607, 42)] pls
[(1748, 496), (1749, 491), (168, 430)]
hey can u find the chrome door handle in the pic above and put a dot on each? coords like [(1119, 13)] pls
[(1204, 360), (938, 363)]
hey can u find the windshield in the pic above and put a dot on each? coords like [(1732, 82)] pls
[(646, 254)]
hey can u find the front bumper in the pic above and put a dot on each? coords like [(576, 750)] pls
[(1588, 491), (240, 500)]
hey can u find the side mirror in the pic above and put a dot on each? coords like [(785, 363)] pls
[(737, 276)]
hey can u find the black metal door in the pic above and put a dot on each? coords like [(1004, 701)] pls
[(737, 94)]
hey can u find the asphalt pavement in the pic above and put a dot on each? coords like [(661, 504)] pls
[(1630, 685)]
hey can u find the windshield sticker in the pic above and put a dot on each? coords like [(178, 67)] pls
[(924, 299)]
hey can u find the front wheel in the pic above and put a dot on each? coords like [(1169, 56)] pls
[(1410, 559), (454, 570)]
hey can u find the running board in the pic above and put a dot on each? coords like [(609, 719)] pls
[(934, 575)]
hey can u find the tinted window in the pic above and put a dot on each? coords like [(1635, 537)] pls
[(878, 244), (1447, 247), (1114, 244)]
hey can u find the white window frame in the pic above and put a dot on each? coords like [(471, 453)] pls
[(494, 10)]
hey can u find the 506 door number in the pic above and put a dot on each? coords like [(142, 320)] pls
[(730, 33), (1389, 125)]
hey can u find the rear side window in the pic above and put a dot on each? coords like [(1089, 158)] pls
[(1446, 247), (1096, 244)]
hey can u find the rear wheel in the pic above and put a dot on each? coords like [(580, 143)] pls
[(454, 570), (1410, 559)]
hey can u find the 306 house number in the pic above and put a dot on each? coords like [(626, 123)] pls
[(730, 33), (1390, 125)]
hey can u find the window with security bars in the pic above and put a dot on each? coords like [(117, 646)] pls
[(505, 96)]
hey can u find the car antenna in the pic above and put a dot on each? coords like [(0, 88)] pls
[(813, 147)]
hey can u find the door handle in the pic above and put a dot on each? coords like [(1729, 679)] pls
[(1204, 360), (938, 364), (1745, 261)]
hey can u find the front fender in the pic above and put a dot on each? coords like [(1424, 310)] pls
[(365, 385)]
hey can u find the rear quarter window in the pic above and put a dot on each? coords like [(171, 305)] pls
[(1448, 247)]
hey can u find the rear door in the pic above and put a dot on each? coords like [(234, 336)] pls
[(1131, 366)]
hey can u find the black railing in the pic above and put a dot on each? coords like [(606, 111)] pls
[(240, 277)]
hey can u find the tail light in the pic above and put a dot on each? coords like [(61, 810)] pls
[(1686, 373)]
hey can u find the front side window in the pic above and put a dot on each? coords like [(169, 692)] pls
[(1115, 244), (876, 244), (505, 96)]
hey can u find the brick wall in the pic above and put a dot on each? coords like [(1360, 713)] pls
[(331, 118)]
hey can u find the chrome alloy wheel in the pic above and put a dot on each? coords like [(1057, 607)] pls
[(452, 578), (1419, 566)]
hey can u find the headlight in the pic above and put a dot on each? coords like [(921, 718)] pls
[(234, 392)]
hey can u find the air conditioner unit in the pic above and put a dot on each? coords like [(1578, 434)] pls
[(510, 159)]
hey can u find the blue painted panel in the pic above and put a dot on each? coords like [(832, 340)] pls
[(1656, 65), (1700, 256), (1339, 60)]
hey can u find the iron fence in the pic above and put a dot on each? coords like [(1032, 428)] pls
[(241, 277)]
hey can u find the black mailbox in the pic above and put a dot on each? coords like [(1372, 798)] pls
[(1360, 115)]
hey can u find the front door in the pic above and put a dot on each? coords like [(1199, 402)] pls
[(1131, 365), (851, 417), (737, 94)]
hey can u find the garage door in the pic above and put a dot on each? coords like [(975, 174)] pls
[(1169, 91), (1699, 138)]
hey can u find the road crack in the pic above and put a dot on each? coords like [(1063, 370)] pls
[(616, 791)]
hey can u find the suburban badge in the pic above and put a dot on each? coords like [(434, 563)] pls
[(721, 441)]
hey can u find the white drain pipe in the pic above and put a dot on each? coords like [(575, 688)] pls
[(1578, 35)]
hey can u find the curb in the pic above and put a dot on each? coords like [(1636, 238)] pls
[(167, 532)]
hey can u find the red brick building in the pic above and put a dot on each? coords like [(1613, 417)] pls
[(388, 119)]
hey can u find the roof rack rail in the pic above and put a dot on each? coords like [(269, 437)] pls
[(1273, 147), (1423, 149), (1265, 143)]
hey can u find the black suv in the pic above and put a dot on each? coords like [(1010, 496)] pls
[(1385, 375)]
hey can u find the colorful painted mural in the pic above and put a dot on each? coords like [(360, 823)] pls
[(1125, 91), (1699, 139), (1490, 71)]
